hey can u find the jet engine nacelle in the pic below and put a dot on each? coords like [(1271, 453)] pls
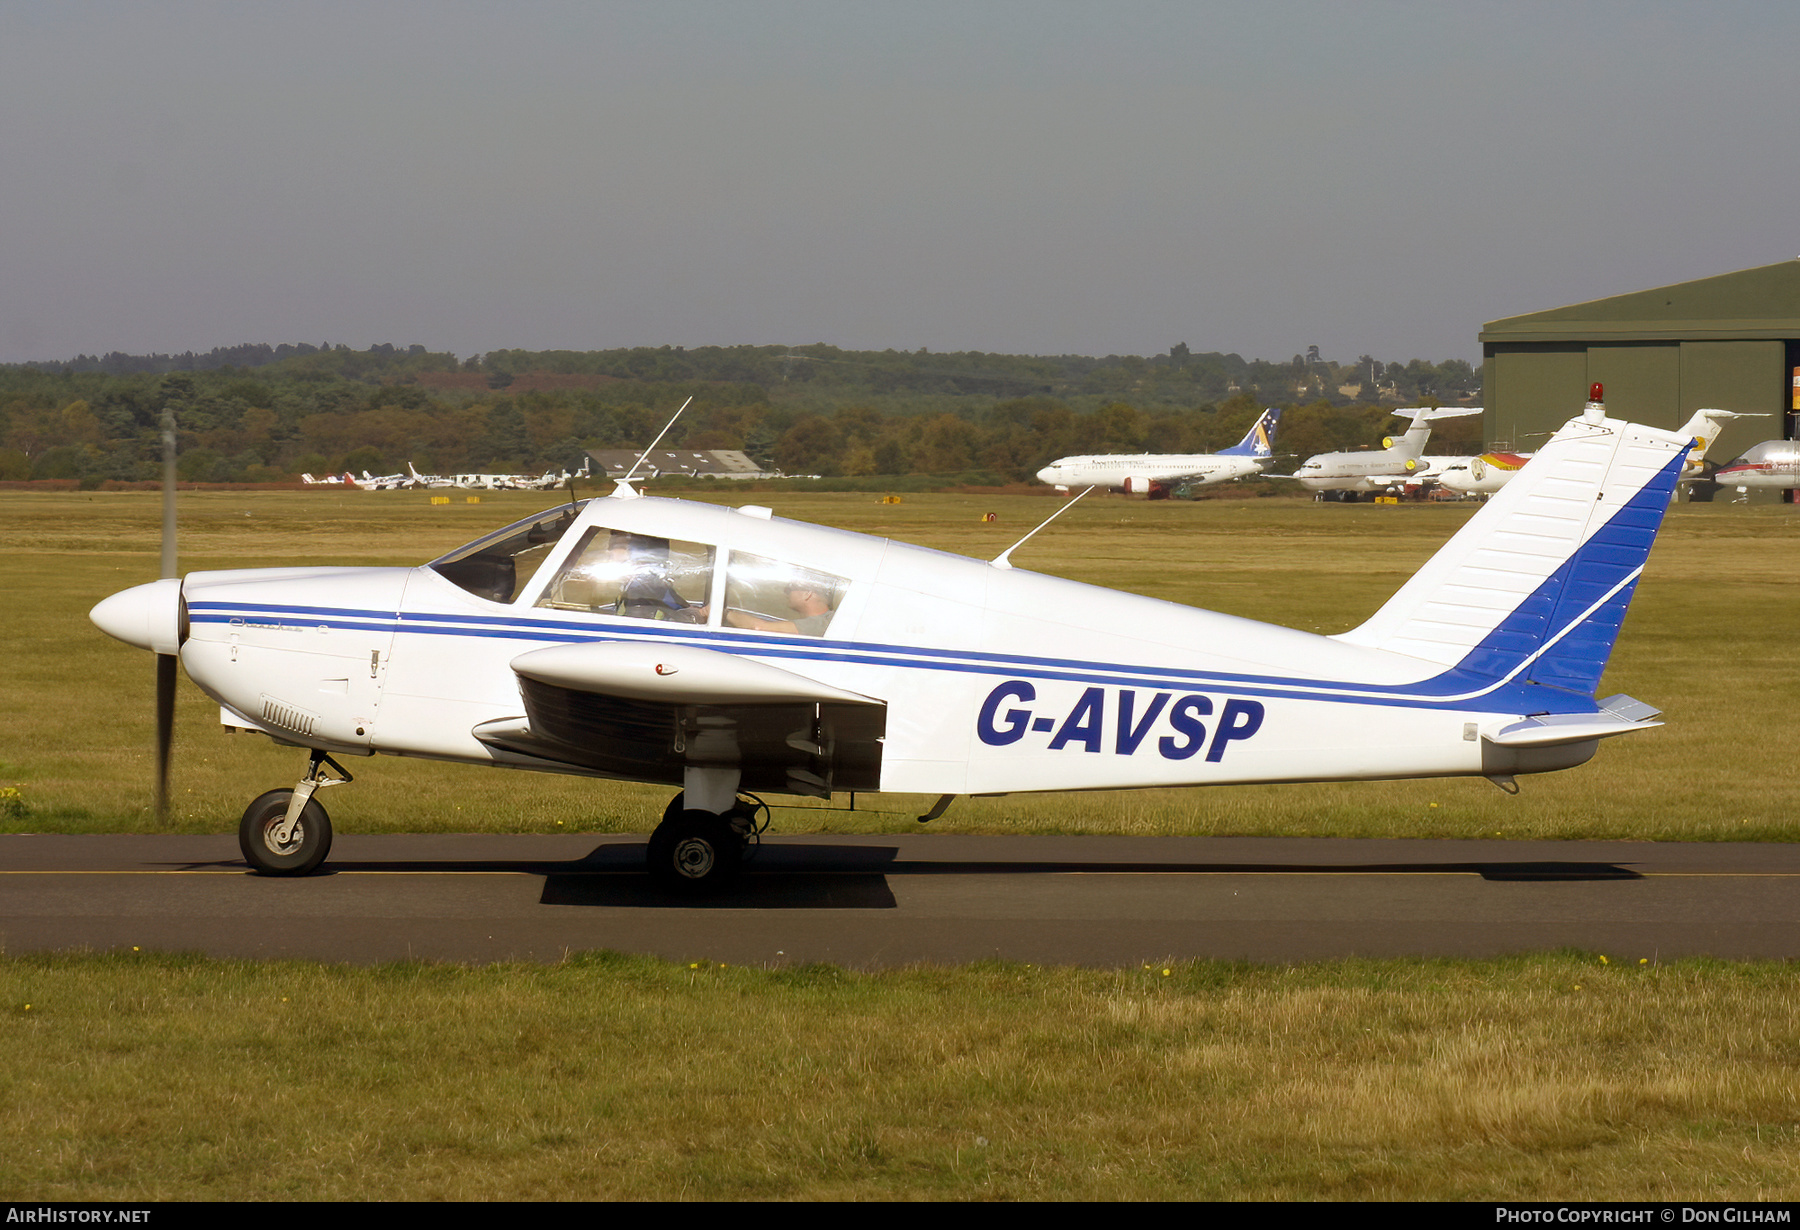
[(1138, 484)]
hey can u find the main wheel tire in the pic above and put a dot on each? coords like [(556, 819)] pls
[(695, 852), (305, 850), (741, 817)]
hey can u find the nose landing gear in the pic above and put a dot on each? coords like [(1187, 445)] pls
[(287, 832)]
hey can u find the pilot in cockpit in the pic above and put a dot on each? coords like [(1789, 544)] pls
[(649, 589)]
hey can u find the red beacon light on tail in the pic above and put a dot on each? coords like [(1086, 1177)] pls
[(1595, 410)]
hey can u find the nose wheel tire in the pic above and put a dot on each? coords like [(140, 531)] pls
[(259, 836), (695, 853)]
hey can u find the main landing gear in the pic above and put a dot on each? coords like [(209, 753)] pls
[(698, 852), (286, 832)]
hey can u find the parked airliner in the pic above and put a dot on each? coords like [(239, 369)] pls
[(1157, 474)]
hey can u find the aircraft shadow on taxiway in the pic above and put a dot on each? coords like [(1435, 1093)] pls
[(822, 877)]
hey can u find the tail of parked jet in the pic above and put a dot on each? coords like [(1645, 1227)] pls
[(1533, 588), (1259, 441), (1702, 431), (1412, 444)]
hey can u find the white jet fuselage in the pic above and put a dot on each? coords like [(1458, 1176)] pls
[(1773, 463), (1121, 471), (1376, 470)]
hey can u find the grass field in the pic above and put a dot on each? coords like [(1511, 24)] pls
[(1710, 639), (141, 1076)]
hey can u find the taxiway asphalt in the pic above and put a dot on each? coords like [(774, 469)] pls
[(874, 901)]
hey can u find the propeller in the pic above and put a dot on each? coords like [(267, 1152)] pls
[(166, 662)]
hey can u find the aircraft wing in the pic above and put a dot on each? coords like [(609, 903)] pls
[(647, 711)]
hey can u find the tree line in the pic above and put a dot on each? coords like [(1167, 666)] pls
[(266, 414)]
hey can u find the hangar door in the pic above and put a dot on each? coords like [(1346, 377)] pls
[(1642, 379), (1541, 385)]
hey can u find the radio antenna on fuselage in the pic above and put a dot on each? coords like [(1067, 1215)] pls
[(1003, 560), (623, 489)]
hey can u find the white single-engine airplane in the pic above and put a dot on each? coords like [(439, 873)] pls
[(721, 650), (1156, 473)]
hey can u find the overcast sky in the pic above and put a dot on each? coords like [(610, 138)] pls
[(1034, 178)]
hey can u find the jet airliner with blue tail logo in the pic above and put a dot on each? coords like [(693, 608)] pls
[(1159, 474)]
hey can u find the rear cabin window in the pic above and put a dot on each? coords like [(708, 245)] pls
[(770, 595)]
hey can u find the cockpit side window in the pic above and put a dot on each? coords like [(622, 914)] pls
[(500, 565), (769, 595), (637, 576)]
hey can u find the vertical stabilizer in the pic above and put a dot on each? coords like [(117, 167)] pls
[(1411, 446), (1535, 586), (1702, 431), (1259, 441)]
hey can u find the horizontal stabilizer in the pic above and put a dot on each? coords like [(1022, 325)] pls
[(1431, 414), (1619, 715)]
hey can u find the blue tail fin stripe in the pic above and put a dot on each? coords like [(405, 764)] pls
[(1571, 621)]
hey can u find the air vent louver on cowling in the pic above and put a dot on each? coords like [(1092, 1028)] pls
[(280, 713)]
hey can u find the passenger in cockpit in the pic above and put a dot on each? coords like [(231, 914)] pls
[(811, 606)]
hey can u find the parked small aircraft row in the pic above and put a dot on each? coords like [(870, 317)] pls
[(412, 479)]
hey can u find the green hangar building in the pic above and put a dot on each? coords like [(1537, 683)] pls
[(1730, 342)]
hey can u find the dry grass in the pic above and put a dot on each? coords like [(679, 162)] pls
[(1550, 1078), (1710, 639)]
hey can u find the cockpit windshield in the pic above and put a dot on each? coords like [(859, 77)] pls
[(498, 566)]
